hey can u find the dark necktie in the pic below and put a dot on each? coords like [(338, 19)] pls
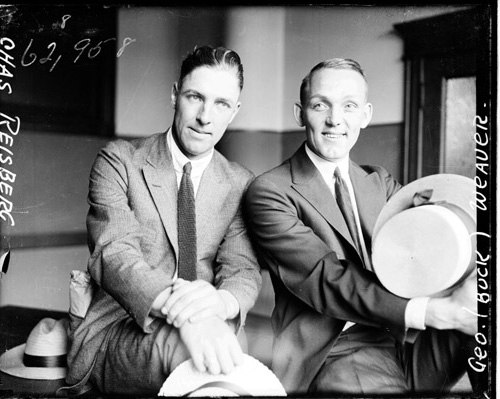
[(186, 227), (344, 203)]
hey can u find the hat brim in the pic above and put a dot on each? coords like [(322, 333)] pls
[(11, 362), (252, 377), (454, 189)]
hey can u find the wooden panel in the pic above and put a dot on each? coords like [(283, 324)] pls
[(451, 33), (435, 49), (262, 150)]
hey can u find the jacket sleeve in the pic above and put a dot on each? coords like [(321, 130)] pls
[(114, 234), (392, 185), (237, 269), (309, 269)]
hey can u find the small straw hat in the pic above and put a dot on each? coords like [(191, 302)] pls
[(43, 356), (251, 378), (424, 242)]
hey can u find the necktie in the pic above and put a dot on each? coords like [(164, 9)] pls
[(344, 203), (186, 226)]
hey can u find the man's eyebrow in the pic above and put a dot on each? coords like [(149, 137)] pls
[(323, 97), (353, 98), (192, 91), (224, 99), (319, 97), (196, 92)]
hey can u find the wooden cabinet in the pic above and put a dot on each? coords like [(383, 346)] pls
[(437, 51)]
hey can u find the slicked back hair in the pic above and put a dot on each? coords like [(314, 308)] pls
[(333, 63), (209, 56)]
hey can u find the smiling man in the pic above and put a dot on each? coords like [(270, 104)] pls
[(174, 269), (337, 330)]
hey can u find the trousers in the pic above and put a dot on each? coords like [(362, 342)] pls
[(368, 360), (135, 363)]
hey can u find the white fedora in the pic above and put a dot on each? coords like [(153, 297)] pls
[(423, 242), (43, 356), (251, 378)]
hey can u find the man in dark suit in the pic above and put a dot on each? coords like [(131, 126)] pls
[(175, 272), (337, 330)]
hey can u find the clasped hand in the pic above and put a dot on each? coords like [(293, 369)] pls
[(212, 345), (198, 310), (193, 301)]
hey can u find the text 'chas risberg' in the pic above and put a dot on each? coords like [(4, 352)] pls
[(9, 127)]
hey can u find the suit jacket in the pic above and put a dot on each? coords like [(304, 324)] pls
[(317, 273), (132, 233)]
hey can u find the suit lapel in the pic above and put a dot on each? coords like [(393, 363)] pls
[(212, 191), (162, 183), (370, 199), (309, 183)]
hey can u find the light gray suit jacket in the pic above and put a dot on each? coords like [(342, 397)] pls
[(132, 233)]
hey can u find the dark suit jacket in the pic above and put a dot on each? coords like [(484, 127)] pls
[(132, 232), (317, 274)]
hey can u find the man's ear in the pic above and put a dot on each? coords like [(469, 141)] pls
[(174, 94), (367, 115), (236, 109), (297, 112)]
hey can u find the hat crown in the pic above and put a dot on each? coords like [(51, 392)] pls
[(48, 338), (423, 242), (251, 378)]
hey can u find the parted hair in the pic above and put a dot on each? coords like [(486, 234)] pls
[(333, 63), (212, 57)]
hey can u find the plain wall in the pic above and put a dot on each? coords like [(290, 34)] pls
[(258, 35), (49, 197), (39, 277), (278, 46)]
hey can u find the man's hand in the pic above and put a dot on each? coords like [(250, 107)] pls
[(457, 311), (159, 302), (193, 300), (212, 345)]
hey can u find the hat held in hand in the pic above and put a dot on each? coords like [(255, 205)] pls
[(424, 242), (251, 378), (43, 356)]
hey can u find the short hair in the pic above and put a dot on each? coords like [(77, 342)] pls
[(212, 57), (333, 63)]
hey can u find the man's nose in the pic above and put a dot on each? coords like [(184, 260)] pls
[(334, 117), (204, 114)]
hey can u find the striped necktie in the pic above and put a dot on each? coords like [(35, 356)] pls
[(345, 205)]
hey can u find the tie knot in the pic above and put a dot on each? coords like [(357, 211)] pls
[(187, 168), (337, 173)]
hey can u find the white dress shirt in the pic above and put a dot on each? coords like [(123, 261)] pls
[(179, 159), (416, 308)]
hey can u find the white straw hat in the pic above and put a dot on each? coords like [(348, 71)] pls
[(423, 241), (43, 356), (251, 378)]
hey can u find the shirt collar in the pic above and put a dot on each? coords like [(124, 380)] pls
[(326, 168), (179, 159)]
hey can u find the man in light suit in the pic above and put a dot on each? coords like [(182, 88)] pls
[(144, 319), (337, 330)]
